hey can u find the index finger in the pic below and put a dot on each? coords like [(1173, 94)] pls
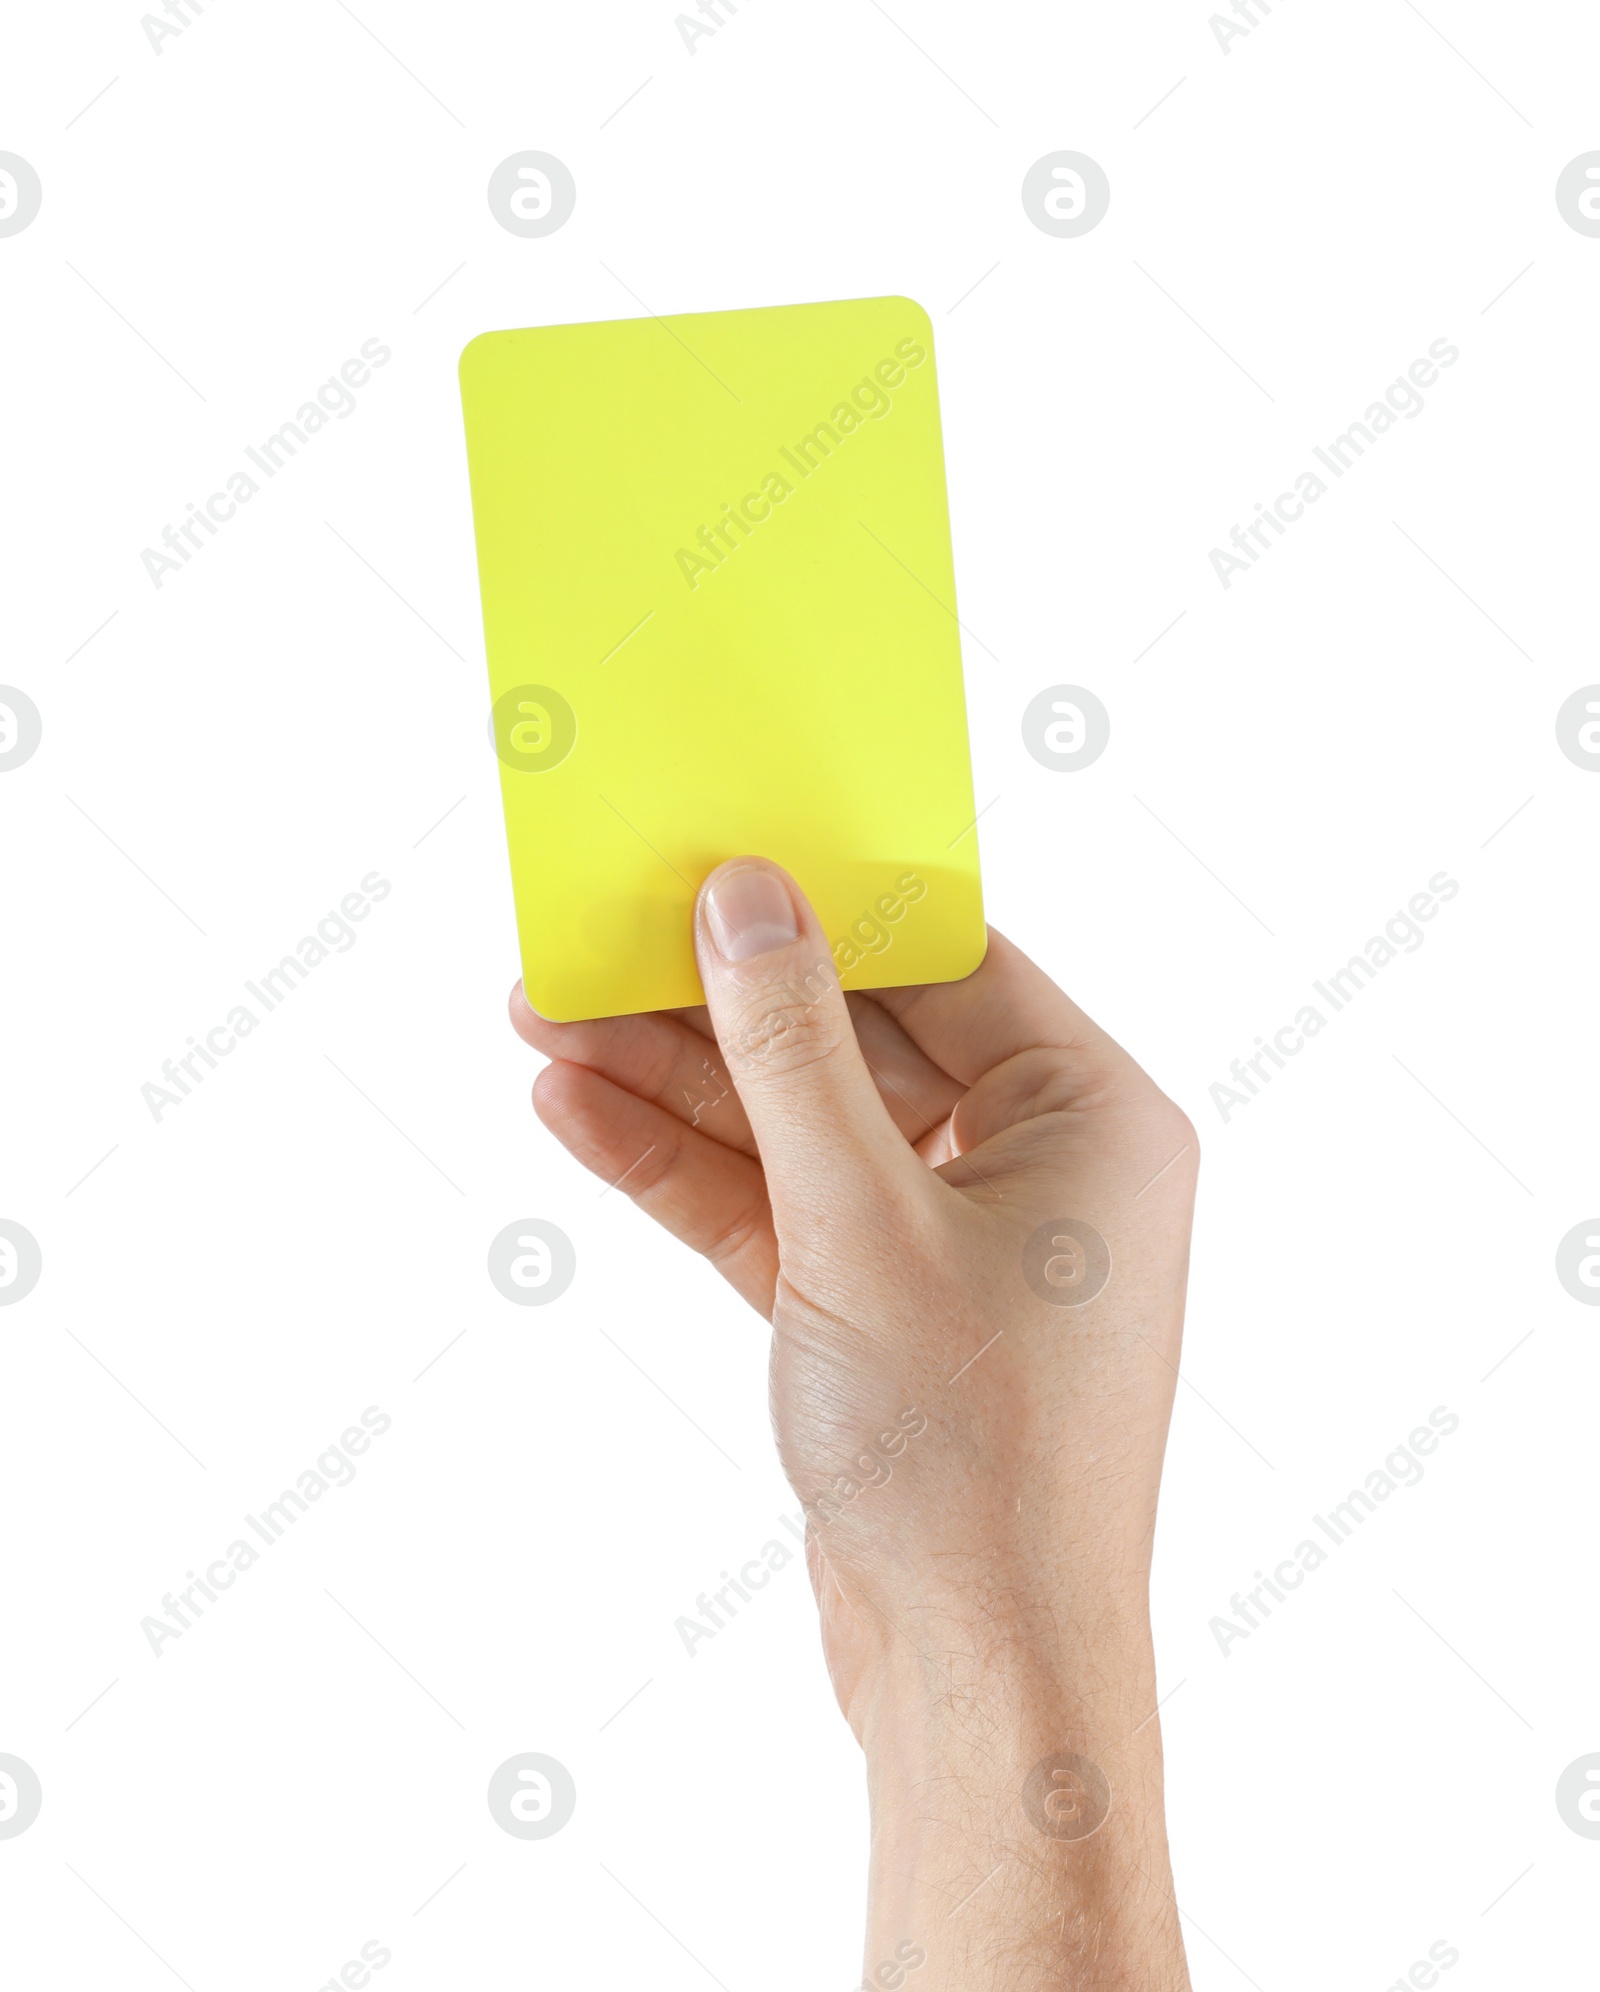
[(1005, 1006)]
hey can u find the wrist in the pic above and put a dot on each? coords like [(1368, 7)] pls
[(956, 1689), (1018, 1836)]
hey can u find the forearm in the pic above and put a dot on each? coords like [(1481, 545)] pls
[(925, 1192), (1018, 1836)]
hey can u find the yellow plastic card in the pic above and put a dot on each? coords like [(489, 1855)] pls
[(719, 609)]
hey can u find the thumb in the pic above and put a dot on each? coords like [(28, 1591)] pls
[(826, 1140)]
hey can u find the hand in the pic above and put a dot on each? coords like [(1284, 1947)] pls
[(921, 1188)]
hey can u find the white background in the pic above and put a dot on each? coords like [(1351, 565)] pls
[(224, 758)]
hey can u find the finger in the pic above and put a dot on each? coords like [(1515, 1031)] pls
[(704, 1194), (1045, 1109), (697, 1017), (1044, 1080), (830, 1149), (665, 1056), (920, 1096), (655, 1056), (1006, 1006)]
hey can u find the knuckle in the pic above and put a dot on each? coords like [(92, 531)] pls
[(731, 1238), (787, 1040), (787, 1029), (1063, 1082), (1188, 1133), (1170, 1121), (651, 1169), (1170, 1139)]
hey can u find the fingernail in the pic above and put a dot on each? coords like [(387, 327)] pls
[(749, 913)]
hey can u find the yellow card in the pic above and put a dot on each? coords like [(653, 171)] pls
[(720, 616)]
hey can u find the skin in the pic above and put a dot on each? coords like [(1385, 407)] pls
[(979, 1465)]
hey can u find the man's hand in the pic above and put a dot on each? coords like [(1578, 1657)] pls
[(965, 1211)]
